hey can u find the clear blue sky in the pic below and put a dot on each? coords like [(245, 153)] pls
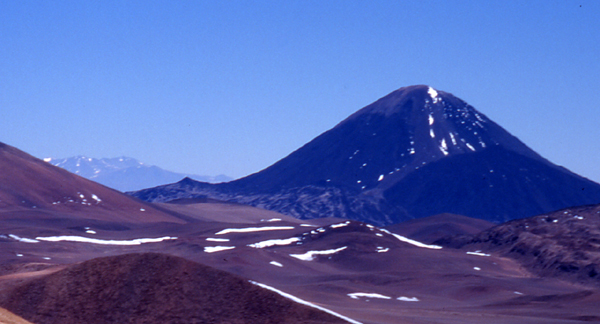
[(212, 87)]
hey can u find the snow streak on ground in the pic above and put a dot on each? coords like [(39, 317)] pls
[(413, 242), (340, 225), (268, 243), (479, 253), (275, 263), (411, 299), (211, 239), (254, 229), (22, 239), (367, 295), (139, 241), (303, 302), (211, 249), (310, 255)]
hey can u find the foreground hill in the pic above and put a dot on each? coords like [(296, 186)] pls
[(125, 173), (563, 244), (152, 288), (414, 153)]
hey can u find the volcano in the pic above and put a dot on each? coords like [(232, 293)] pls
[(414, 153)]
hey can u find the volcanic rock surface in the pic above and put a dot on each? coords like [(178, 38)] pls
[(152, 288), (414, 153)]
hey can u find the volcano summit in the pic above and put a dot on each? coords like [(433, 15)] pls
[(414, 153)]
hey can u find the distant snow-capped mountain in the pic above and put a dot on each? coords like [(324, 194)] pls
[(125, 173)]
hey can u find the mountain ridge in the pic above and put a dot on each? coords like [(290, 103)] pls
[(125, 173)]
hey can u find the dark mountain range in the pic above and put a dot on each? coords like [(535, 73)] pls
[(125, 173), (416, 152)]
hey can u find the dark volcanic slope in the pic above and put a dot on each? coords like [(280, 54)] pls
[(564, 244), (152, 288), (416, 152)]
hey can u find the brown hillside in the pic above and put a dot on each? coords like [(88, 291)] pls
[(152, 288)]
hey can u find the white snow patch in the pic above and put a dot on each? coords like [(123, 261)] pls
[(432, 93), (367, 295), (378, 234), (269, 243), (577, 217), (303, 302), (479, 118), (431, 133), (254, 229), (47, 159), (210, 239), (444, 147), (470, 147), (22, 239), (90, 231), (142, 209), (275, 263), (430, 120), (308, 225), (453, 139), (476, 268), (518, 293), (407, 299), (46, 258), (340, 225), (271, 220), (19, 254), (70, 238), (555, 221), (310, 255), (96, 198), (479, 253), (380, 249), (413, 242), (211, 249), (380, 177)]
